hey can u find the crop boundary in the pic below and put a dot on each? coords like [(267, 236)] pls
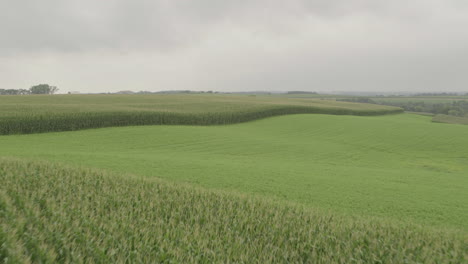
[(91, 120)]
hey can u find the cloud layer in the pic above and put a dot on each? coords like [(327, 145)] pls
[(319, 45)]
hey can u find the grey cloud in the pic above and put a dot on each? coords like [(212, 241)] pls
[(236, 45), (80, 25)]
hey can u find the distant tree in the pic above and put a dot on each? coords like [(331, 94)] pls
[(13, 92), (300, 92), (366, 100), (454, 112), (10, 92), (43, 89), (23, 91)]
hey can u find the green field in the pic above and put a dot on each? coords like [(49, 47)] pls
[(399, 166), (51, 214), (35, 114), (292, 188)]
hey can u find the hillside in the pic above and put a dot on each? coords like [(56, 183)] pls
[(35, 114), (353, 184), (401, 167)]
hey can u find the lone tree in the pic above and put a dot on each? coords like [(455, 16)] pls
[(43, 89)]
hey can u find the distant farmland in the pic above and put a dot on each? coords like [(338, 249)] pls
[(35, 114), (361, 186)]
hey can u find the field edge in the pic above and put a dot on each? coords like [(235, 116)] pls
[(88, 120)]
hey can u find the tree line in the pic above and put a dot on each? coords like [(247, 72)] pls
[(36, 89), (454, 108)]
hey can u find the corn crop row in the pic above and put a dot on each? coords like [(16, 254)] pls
[(53, 122), (50, 213)]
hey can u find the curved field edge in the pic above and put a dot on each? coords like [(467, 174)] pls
[(52, 213), (56, 122)]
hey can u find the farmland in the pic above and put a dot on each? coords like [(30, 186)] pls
[(427, 99), (63, 214), (291, 188), (26, 114)]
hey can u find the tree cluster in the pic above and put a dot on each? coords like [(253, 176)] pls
[(366, 100), (14, 91), (454, 108), (36, 89), (301, 92)]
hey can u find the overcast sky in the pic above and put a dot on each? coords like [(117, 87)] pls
[(235, 45)]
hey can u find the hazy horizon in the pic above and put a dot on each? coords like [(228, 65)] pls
[(321, 46)]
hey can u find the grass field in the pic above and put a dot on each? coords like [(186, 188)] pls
[(399, 166), (34, 114), (292, 188)]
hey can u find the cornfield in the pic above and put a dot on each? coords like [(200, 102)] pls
[(39, 114), (53, 213)]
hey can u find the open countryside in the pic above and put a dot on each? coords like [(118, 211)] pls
[(375, 173), (302, 132)]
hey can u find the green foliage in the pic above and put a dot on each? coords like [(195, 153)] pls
[(56, 214), (366, 100), (43, 89), (440, 106), (450, 119), (31, 114), (399, 167), (13, 92)]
